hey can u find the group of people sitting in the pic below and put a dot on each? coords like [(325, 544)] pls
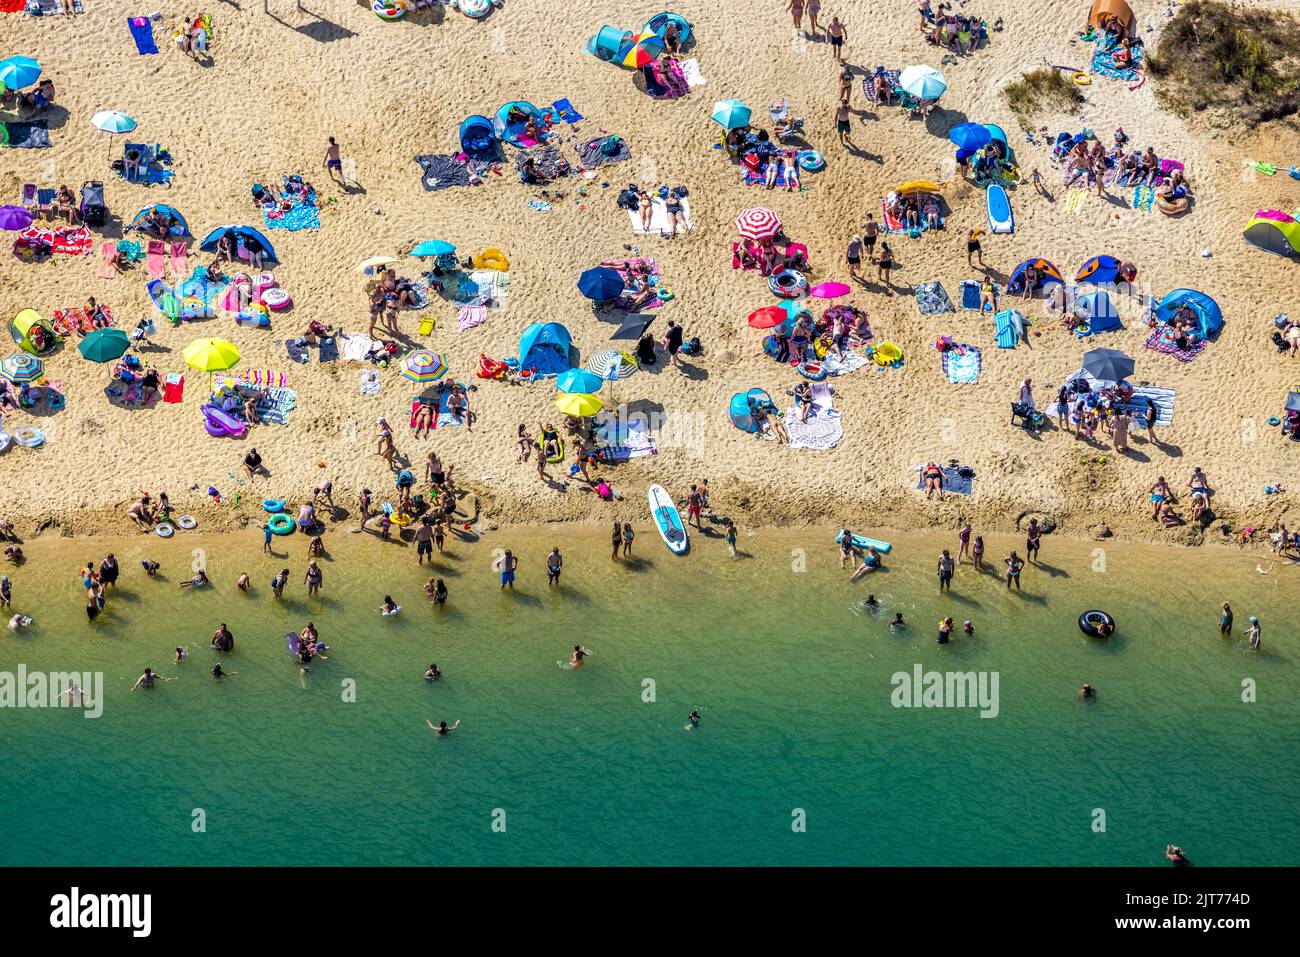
[(1132, 169), (1163, 500), (640, 284), (158, 224), (238, 398), (957, 33), (840, 328), (767, 257), (228, 248), (130, 371), (914, 209), (296, 190), (81, 322), (1184, 327), (37, 100)]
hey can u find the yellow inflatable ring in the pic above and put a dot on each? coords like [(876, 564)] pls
[(1082, 79)]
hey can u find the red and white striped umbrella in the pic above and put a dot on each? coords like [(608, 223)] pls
[(758, 223)]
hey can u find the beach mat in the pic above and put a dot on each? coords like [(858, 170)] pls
[(142, 33), (301, 216), (591, 156), (1160, 341), (759, 177), (439, 171), (370, 382), (962, 365), (565, 111), (1005, 331), (952, 482), (658, 217), (297, 350), (824, 427), (1163, 399), (28, 136), (1143, 197), (691, 70), (329, 349), (618, 439), (932, 298)]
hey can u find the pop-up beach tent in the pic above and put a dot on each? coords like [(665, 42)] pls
[(1104, 11), (1274, 232), (1209, 316), (546, 348), (1047, 275)]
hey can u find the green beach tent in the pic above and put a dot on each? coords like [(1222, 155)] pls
[(1274, 232)]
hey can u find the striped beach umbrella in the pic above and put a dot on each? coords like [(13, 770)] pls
[(22, 367), (612, 364), (643, 51), (758, 223), (424, 366)]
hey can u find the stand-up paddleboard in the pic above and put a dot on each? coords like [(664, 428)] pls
[(667, 520), (861, 542), (999, 209)]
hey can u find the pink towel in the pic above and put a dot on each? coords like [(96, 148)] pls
[(471, 316), (180, 261), (156, 259), (109, 252)]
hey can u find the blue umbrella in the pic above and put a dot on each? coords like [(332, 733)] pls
[(923, 82), (433, 247), (970, 136), (730, 114), (17, 72), (238, 232), (579, 380), (600, 284)]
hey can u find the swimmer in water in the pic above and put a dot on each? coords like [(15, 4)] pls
[(871, 602), (579, 653), (1087, 693), (19, 622), (242, 584), (198, 581), (442, 727), (968, 627), (1254, 632), (439, 593), (1174, 854), (897, 623), (218, 673), (389, 606), (181, 652), (434, 672), (279, 581), (75, 693), (147, 679), (694, 719)]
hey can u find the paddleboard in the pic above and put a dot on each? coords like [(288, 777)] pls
[(998, 205), (667, 520), (861, 542)]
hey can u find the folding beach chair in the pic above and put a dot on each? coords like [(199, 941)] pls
[(28, 198), (45, 202)]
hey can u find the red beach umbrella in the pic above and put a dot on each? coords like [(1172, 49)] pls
[(758, 223), (767, 318)]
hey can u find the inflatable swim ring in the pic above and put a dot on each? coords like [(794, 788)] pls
[(395, 610), (186, 522), (29, 437), (1089, 621), (787, 283), (388, 9), (165, 530), (273, 505), (276, 298), (667, 295), (1171, 207), (811, 160), (254, 314), (1082, 79), (280, 523), (477, 9), (812, 369), (1274, 420)]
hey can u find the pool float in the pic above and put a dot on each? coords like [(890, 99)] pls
[(1274, 420), (220, 423), (1082, 79), (667, 295), (811, 160), (254, 314), (1089, 621), (186, 522), (280, 523), (29, 437), (812, 369), (273, 505), (395, 610), (400, 519), (1171, 207), (388, 9), (261, 283), (165, 530), (860, 542), (276, 298), (787, 283), (559, 443), (475, 9)]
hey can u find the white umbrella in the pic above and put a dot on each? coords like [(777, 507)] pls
[(112, 122), (612, 364)]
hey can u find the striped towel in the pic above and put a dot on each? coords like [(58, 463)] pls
[(275, 406), (869, 85), (261, 378), (1163, 399)]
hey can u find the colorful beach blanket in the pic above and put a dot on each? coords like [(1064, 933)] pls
[(932, 298), (952, 481), (869, 84), (758, 177), (565, 111), (28, 136), (824, 427), (1143, 197), (1162, 399), (303, 215), (142, 33), (619, 439), (962, 365), (260, 378), (665, 80), (1103, 62), (275, 405), (1161, 340)]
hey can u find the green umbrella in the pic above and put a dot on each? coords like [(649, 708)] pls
[(104, 345)]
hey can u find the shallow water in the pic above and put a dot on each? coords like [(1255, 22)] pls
[(791, 678)]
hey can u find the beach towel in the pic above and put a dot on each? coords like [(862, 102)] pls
[(416, 403), (1143, 197), (180, 261), (155, 259), (1005, 331), (297, 350), (758, 177), (329, 349), (40, 8), (952, 482), (548, 161), (439, 171), (261, 378), (970, 294), (665, 80), (658, 217), (962, 365), (108, 252), (932, 298), (1103, 62), (834, 365), (471, 316), (370, 382), (34, 135), (824, 427), (1074, 200), (142, 33), (16, 6), (539, 206), (869, 84), (691, 70), (444, 418), (303, 215), (173, 387), (618, 439), (565, 111), (71, 240), (1161, 340), (356, 346), (591, 155), (275, 405)]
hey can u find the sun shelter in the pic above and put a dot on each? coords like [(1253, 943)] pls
[(659, 23), (1047, 275), (241, 234), (477, 135), (1099, 270), (1209, 316), (510, 120), (1098, 310), (1103, 11), (545, 348), (609, 43), (1274, 232), (178, 225), (22, 327), (741, 409)]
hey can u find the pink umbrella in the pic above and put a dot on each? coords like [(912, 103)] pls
[(829, 290), (758, 223)]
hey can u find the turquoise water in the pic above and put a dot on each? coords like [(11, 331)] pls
[(792, 680)]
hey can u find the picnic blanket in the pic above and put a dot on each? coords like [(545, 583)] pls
[(329, 349), (356, 346), (1161, 340), (824, 427), (962, 365), (970, 294), (1163, 399), (370, 382), (691, 70), (142, 33), (303, 215), (275, 405), (439, 171), (1103, 61), (565, 111), (932, 298), (591, 155), (619, 439), (34, 135), (548, 161), (952, 481), (869, 84), (658, 216), (651, 276), (835, 365)]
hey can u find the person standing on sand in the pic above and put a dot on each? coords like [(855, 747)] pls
[(1119, 430), (853, 256), (694, 506), (1033, 534), (842, 125), (963, 541), (973, 246), (363, 506), (333, 162), (837, 34), (796, 11), (386, 449), (870, 230), (424, 540)]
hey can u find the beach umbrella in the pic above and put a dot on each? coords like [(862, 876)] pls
[(104, 345), (112, 122), (433, 247), (374, 263), (578, 381), (643, 51), (1108, 365), (210, 355), (15, 217), (423, 365), (923, 82), (601, 284), (633, 326), (758, 223), (612, 365), (576, 403), (829, 290), (17, 72), (730, 114), (970, 136), (767, 317), (22, 367), (1293, 401)]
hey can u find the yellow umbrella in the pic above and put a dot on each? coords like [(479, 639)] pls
[(373, 263), (579, 403), (919, 186), (210, 355)]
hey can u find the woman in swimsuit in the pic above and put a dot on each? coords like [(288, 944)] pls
[(796, 11), (525, 444), (933, 476), (675, 215), (643, 204), (617, 539), (1160, 498), (885, 264), (814, 8)]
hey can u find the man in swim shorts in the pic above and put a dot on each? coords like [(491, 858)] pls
[(332, 161), (945, 571), (554, 562), (508, 563)]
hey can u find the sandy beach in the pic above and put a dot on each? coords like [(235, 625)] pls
[(279, 85)]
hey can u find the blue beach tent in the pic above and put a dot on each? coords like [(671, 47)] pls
[(546, 347), (510, 119), (1098, 310), (1206, 310), (179, 226), (477, 135)]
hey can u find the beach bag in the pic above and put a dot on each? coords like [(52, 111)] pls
[(692, 348)]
